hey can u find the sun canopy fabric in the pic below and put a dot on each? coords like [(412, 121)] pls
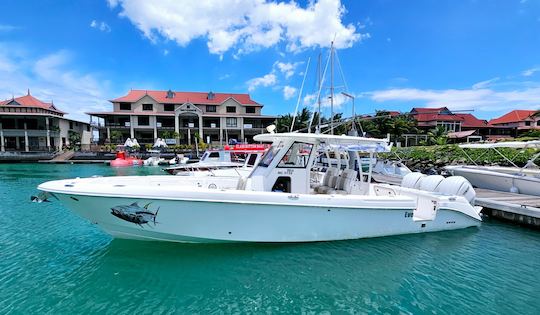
[(128, 143), (369, 148), (507, 144), (160, 143)]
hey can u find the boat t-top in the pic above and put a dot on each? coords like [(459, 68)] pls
[(277, 202), (523, 180)]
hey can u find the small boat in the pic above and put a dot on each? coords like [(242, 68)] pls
[(178, 159), (230, 157), (515, 179), (123, 160), (276, 202)]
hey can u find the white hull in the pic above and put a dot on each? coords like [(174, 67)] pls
[(218, 215), (496, 180)]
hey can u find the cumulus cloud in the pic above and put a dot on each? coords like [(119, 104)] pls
[(51, 77), (480, 97), (242, 25), (102, 26), (287, 68), (289, 92), (266, 80)]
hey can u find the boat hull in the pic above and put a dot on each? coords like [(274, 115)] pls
[(499, 181), (218, 221)]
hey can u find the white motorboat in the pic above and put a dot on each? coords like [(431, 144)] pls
[(523, 180), (391, 168), (230, 157), (276, 202)]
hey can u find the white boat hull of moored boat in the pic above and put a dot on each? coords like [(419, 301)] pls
[(486, 178), (183, 214)]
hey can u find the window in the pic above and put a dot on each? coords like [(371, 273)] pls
[(231, 122), (125, 106), (282, 184), (527, 123), (297, 155), (266, 160), (143, 120), (211, 108), (70, 125), (250, 110), (168, 107), (87, 127), (538, 123), (231, 109), (147, 107)]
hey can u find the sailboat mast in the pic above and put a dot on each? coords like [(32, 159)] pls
[(332, 88), (318, 129)]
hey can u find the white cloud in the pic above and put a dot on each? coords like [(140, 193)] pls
[(51, 77), (339, 100), (530, 72), (165, 52), (286, 68), (266, 80), (242, 25), (485, 84), (483, 99), (102, 26), (289, 92)]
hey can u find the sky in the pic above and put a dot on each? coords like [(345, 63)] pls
[(477, 56)]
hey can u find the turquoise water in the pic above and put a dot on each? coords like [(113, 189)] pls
[(51, 261)]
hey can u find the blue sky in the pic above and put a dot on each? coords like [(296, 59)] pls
[(479, 55)]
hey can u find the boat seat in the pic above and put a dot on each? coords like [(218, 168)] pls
[(344, 182), (329, 180)]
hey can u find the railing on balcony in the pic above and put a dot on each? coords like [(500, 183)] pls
[(30, 132)]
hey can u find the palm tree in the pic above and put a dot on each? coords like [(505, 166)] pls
[(438, 136)]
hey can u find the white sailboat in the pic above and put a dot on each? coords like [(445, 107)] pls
[(523, 180), (276, 202)]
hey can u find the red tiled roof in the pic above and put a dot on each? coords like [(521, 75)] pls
[(183, 97), (469, 120), (513, 116), (29, 101), (432, 114)]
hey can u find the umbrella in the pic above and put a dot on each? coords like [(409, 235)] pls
[(159, 143), (129, 143), (135, 142)]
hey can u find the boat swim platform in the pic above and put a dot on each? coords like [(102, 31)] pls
[(518, 208)]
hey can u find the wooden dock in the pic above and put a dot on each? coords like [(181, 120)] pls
[(518, 208)]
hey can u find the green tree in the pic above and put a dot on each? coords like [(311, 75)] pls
[(115, 136), (74, 140), (438, 136)]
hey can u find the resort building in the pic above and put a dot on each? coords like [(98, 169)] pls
[(518, 121), (29, 124), (215, 117)]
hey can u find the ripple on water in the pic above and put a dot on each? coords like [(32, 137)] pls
[(53, 261)]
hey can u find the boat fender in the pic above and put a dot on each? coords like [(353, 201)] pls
[(412, 180)]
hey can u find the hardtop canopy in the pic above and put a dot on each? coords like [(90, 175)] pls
[(334, 142)]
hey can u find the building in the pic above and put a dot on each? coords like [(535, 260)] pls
[(29, 124), (517, 122), (215, 117)]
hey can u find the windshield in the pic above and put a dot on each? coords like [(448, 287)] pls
[(269, 155)]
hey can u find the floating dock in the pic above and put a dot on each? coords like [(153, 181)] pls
[(518, 208)]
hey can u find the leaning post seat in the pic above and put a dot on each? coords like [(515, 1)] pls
[(344, 182), (329, 180)]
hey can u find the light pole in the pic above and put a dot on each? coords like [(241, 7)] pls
[(353, 112)]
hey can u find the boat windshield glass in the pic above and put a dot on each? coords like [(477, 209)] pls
[(297, 155), (270, 154)]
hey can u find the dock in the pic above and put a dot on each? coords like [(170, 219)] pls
[(518, 208)]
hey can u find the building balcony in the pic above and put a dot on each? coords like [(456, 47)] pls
[(30, 132)]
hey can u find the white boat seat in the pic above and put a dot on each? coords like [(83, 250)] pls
[(329, 180), (344, 183)]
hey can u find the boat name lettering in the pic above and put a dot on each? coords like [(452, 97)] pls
[(408, 214)]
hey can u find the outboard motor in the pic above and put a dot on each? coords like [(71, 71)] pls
[(412, 180), (457, 186), (430, 183)]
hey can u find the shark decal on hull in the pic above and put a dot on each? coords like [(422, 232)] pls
[(135, 213)]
